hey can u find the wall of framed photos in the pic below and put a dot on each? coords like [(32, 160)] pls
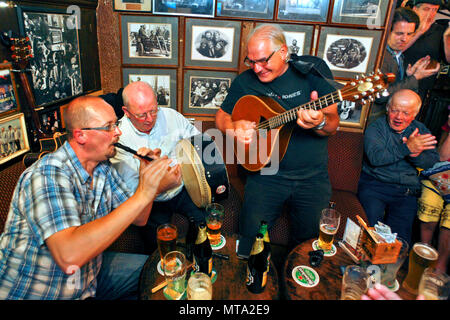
[(192, 50)]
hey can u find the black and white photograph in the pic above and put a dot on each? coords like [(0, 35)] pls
[(298, 38), (352, 114), (303, 10), (163, 82), (13, 137), (55, 66), (196, 8), (371, 13), (133, 5), (348, 52), (262, 9), (8, 94), (50, 122), (212, 43), (205, 91), (149, 40)]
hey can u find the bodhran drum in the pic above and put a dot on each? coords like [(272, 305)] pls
[(203, 170)]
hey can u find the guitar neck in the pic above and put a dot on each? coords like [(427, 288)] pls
[(291, 115)]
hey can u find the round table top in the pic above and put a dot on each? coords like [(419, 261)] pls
[(230, 282), (329, 286)]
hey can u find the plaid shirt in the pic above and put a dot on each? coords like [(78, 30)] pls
[(52, 195)]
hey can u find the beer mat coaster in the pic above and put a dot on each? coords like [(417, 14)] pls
[(170, 297), (393, 287), (329, 253), (305, 276), (160, 270), (221, 243)]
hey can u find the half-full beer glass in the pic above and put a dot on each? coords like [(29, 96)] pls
[(434, 284), (329, 225), (199, 287), (175, 274), (421, 256), (354, 283), (389, 271), (214, 219), (166, 236)]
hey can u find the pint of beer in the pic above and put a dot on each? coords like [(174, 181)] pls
[(166, 236), (199, 287), (214, 219), (421, 256), (329, 225)]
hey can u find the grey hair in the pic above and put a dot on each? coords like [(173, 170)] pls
[(273, 32)]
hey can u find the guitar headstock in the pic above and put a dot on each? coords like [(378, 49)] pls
[(21, 51), (367, 87)]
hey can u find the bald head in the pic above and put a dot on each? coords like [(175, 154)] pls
[(406, 97), (402, 109), (273, 32), (82, 111), (135, 93)]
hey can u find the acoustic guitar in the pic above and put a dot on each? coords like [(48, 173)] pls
[(274, 124)]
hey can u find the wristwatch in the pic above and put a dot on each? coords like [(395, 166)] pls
[(322, 124)]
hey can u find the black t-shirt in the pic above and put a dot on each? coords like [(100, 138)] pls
[(307, 153)]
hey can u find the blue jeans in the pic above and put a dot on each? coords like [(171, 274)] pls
[(119, 276), (264, 198), (392, 204)]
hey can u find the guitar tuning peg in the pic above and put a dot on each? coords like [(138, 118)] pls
[(385, 93), (377, 95), (371, 99), (356, 97), (363, 101), (356, 77)]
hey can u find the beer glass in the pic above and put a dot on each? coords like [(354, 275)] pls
[(389, 271), (214, 219), (421, 256), (434, 284), (174, 268), (199, 287), (329, 224), (166, 236), (354, 283)]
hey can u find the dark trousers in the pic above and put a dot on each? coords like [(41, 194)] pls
[(264, 198), (392, 204), (162, 212)]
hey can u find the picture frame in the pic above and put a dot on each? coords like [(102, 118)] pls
[(9, 101), (349, 52), (51, 121), (303, 36), (204, 91), (371, 13), (212, 43), (56, 64), (15, 144), (194, 8), (133, 5), (353, 115), (149, 40), (247, 9), (303, 10), (163, 82)]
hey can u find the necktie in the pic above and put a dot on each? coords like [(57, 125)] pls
[(401, 68)]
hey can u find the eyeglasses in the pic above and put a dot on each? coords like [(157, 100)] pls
[(262, 62), (109, 127), (144, 115)]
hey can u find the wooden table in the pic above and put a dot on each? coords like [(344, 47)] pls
[(329, 287), (230, 282)]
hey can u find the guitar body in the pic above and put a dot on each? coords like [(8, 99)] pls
[(257, 154)]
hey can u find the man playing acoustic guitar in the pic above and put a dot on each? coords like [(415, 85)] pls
[(302, 175)]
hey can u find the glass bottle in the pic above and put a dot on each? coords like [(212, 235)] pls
[(202, 251)]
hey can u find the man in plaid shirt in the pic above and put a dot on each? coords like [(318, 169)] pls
[(69, 207)]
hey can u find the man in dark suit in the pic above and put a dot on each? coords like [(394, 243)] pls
[(404, 26)]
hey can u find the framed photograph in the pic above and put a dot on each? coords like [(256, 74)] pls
[(8, 90), (371, 13), (149, 40), (256, 9), (349, 52), (163, 82), (13, 137), (197, 8), (298, 38), (55, 66), (303, 10), (50, 121), (352, 114), (212, 43), (204, 91), (133, 5)]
